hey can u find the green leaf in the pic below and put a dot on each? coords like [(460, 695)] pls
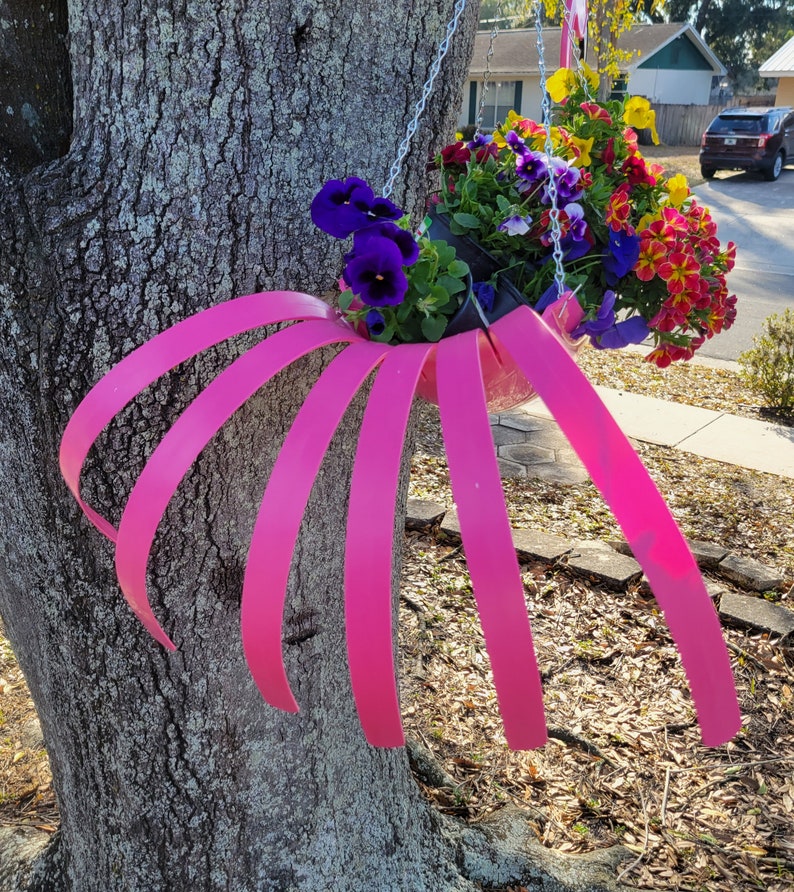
[(467, 221), (446, 254), (438, 298), (450, 285), (433, 327), (458, 268), (345, 299)]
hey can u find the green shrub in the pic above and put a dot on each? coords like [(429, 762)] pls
[(769, 366)]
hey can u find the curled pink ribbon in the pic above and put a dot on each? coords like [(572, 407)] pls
[(526, 353)]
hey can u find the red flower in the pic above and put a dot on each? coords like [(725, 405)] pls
[(618, 209), (456, 153), (681, 271), (596, 112), (637, 172), (652, 254)]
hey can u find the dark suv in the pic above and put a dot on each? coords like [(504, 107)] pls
[(759, 139)]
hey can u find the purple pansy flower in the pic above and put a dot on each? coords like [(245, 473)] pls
[(386, 229), (605, 318), (480, 140), (376, 274), (516, 225), (531, 167), (606, 333), (375, 323), (622, 255), (621, 334), (343, 206), (578, 239), (567, 180), (485, 294), (515, 142), (577, 226)]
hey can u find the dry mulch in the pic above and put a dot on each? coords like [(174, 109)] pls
[(625, 764)]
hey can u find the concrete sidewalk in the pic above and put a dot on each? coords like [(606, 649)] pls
[(530, 443)]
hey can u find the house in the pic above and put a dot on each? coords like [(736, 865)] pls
[(781, 65), (670, 63)]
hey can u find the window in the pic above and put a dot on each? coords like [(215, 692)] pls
[(502, 97)]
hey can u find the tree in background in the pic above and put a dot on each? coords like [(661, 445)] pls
[(742, 33), (507, 13), (608, 20)]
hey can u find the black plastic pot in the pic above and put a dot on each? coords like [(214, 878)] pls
[(483, 266)]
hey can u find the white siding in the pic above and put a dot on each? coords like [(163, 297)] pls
[(665, 86)]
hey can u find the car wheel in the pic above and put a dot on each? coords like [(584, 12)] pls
[(707, 173), (773, 172)]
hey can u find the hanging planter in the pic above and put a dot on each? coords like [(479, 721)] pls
[(476, 485), (415, 315), (506, 385)]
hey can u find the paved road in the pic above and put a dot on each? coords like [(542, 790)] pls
[(759, 217)]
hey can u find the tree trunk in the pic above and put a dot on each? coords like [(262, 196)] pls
[(201, 131)]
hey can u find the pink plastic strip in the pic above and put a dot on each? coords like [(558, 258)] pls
[(368, 548), (574, 23), (177, 451), (646, 520), (485, 529), (281, 512), (164, 352)]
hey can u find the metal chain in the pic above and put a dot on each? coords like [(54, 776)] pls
[(554, 214), (486, 75), (427, 89)]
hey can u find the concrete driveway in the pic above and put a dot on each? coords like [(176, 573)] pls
[(759, 217)]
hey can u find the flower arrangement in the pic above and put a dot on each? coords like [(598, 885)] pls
[(403, 288), (639, 251)]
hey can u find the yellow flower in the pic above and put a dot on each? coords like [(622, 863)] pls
[(677, 189), (583, 146), (638, 113), (561, 84), (591, 77), (517, 122), (538, 138)]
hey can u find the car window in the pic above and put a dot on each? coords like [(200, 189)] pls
[(737, 124)]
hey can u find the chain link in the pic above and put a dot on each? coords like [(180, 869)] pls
[(427, 89), (486, 75), (554, 213)]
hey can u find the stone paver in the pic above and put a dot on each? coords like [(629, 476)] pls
[(757, 613), (749, 574), (535, 447), (707, 554), (422, 514), (450, 526), (535, 545), (603, 564)]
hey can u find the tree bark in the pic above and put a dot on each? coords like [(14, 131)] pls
[(201, 131)]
